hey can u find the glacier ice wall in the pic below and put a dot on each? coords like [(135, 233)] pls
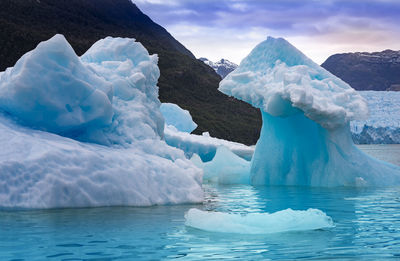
[(305, 137), (88, 131), (383, 123)]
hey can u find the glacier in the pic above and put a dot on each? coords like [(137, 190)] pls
[(88, 131), (383, 123), (305, 137)]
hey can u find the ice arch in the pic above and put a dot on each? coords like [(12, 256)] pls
[(305, 137)]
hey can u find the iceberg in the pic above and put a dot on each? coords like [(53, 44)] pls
[(305, 137), (258, 223), (225, 168), (71, 98), (177, 117), (222, 161), (87, 131), (178, 126)]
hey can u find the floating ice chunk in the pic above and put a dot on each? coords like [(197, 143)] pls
[(51, 89), (178, 117), (225, 168), (305, 137), (258, 223)]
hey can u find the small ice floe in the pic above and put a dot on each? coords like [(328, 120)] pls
[(258, 223)]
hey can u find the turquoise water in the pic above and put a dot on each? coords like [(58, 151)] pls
[(367, 227)]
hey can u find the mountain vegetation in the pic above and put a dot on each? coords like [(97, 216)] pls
[(378, 71)]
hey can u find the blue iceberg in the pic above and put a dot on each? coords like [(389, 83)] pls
[(305, 137), (177, 133), (87, 131), (177, 117), (225, 168)]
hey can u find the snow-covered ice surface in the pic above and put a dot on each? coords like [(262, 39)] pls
[(305, 138), (43, 170), (383, 123), (106, 148), (258, 223)]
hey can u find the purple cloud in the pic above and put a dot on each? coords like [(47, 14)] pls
[(309, 19)]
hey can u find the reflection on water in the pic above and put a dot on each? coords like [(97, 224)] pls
[(367, 224)]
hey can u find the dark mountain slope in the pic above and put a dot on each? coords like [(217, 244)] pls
[(379, 71), (184, 80)]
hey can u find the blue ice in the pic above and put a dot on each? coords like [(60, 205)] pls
[(305, 137), (87, 131)]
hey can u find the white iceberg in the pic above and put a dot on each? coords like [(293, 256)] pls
[(107, 148), (258, 223), (305, 137)]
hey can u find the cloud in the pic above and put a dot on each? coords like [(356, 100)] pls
[(330, 25)]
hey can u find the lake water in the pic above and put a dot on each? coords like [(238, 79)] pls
[(367, 227)]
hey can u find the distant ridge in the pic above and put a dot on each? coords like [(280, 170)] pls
[(378, 71), (184, 80)]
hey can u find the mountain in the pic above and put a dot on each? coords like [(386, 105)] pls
[(223, 67), (379, 71), (184, 80)]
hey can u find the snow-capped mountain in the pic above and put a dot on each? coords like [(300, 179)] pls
[(223, 67)]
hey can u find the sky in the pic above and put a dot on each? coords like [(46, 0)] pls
[(230, 29)]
